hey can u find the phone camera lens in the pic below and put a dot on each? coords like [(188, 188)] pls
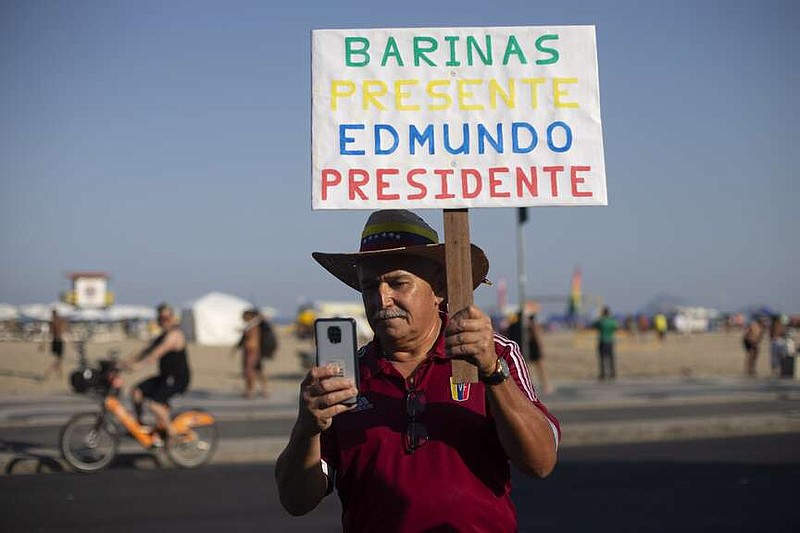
[(335, 334)]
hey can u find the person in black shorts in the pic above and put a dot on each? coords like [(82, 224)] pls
[(169, 349), (58, 330)]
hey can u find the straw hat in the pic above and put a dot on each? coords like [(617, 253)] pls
[(396, 232)]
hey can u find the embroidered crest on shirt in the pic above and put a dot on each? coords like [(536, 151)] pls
[(362, 404), (459, 391)]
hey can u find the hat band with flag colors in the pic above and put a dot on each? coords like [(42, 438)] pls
[(394, 235)]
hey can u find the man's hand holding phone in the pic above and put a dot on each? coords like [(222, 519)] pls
[(321, 395)]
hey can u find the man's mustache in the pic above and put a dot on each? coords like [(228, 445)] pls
[(384, 314)]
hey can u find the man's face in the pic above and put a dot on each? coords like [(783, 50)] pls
[(165, 318), (399, 298)]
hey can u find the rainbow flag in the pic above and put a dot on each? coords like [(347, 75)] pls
[(574, 304)]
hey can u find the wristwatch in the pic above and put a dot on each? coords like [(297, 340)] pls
[(499, 375)]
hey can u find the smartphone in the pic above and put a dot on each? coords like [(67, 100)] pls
[(336, 345)]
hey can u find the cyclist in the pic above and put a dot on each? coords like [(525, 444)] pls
[(169, 349)]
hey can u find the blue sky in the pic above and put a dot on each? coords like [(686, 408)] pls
[(168, 143)]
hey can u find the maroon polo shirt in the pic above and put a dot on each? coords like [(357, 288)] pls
[(459, 480)]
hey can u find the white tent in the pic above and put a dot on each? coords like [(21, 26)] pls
[(215, 319), (8, 312), (269, 312)]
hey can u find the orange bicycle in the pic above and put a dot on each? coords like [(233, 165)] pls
[(89, 441)]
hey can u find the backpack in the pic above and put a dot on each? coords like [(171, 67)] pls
[(269, 342)]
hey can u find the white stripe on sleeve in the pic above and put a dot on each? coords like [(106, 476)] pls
[(518, 366), (555, 431)]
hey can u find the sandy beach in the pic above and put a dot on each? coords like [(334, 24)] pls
[(569, 356)]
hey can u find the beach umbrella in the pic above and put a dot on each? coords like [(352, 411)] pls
[(89, 315), (759, 310), (43, 312), (130, 312)]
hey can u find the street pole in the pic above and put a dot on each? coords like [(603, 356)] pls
[(522, 217)]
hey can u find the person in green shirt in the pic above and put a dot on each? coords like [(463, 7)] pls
[(606, 326)]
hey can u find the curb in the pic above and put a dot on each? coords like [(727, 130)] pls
[(678, 429)]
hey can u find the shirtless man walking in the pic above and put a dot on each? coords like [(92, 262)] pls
[(58, 330), (753, 335), (250, 345)]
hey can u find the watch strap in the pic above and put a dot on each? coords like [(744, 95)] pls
[(500, 374)]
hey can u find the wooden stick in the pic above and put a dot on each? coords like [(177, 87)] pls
[(459, 278)]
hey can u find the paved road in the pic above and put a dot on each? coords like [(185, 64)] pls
[(591, 413), (735, 484)]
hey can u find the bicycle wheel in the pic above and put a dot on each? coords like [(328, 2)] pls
[(195, 439), (86, 443)]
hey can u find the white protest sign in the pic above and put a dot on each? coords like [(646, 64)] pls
[(456, 118)]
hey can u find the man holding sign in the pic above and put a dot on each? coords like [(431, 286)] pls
[(436, 118), (417, 451)]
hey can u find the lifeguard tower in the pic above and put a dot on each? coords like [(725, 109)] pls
[(89, 290)]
